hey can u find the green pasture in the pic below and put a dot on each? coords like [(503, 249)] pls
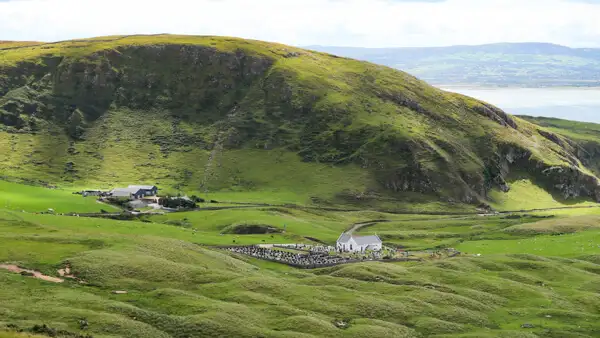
[(177, 287), (315, 223), (565, 245), (14, 196)]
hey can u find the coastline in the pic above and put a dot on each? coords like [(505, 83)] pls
[(572, 103), (501, 87)]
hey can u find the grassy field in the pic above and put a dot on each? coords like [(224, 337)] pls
[(14, 196), (18, 335), (558, 225), (323, 225), (176, 287), (90, 227), (566, 245), (444, 231), (572, 236)]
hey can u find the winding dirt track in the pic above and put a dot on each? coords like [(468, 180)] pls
[(358, 226), (32, 273)]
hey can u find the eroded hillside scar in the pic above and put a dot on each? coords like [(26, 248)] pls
[(30, 273)]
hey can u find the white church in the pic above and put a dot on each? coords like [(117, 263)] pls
[(351, 243)]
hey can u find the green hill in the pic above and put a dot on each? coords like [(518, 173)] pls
[(251, 118)]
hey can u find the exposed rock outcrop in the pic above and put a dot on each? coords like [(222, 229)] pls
[(496, 115)]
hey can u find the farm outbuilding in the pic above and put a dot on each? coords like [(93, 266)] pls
[(134, 192), (146, 190), (86, 193), (126, 193)]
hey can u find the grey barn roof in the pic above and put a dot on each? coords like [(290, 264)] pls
[(124, 192), (360, 240), (143, 187)]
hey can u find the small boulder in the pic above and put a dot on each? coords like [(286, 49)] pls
[(527, 326), (341, 324), (83, 324)]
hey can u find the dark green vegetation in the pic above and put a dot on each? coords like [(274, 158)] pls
[(253, 121), (178, 288), (503, 64)]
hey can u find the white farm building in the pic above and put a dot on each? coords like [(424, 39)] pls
[(351, 243)]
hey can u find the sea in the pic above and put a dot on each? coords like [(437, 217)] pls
[(578, 104)]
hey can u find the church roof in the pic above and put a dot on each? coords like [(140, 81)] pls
[(360, 240)]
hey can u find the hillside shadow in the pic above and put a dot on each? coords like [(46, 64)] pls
[(548, 187)]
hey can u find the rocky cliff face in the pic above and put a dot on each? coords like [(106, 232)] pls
[(409, 136), (180, 78), (568, 181)]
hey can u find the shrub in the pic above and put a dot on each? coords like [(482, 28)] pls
[(197, 199), (178, 203), (250, 229)]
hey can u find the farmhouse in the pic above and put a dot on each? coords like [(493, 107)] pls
[(134, 192), (146, 190), (351, 243)]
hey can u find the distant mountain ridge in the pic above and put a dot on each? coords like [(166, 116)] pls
[(501, 64)]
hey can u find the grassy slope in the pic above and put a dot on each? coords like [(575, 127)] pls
[(515, 233), (20, 197), (178, 289), (580, 131), (288, 180), (585, 135), (15, 44), (338, 131), (17, 335), (526, 195), (324, 225), (569, 245), (427, 233)]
